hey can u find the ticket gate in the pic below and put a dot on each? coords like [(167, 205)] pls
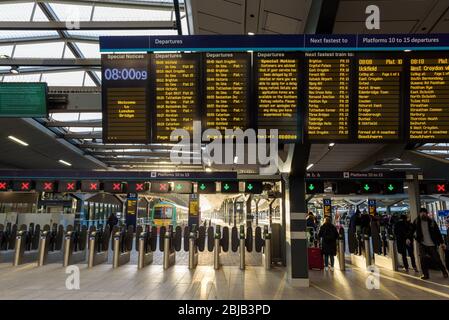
[(51, 248), (144, 246), (22, 247), (75, 246), (169, 250), (192, 248), (98, 246), (123, 243)]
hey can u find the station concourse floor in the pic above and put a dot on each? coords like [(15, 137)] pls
[(29, 282)]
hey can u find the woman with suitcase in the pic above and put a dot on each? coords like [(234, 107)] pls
[(329, 235)]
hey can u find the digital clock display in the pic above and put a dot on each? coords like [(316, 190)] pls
[(125, 74)]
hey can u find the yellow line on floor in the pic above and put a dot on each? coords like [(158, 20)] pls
[(438, 293)]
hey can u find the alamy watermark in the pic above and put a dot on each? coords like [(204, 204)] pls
[(372, 281), (72, 282), (227, 148)]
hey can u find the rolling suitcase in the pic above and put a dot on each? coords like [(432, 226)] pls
[(315, 258)]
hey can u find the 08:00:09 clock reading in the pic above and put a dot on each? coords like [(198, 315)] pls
[(125, 74)]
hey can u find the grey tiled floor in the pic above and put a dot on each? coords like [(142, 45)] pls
[(102, 282)]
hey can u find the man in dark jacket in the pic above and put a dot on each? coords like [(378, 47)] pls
[(112, 221), (329, 235), (428, 236), (403, 232)]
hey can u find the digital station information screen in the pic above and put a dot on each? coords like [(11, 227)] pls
[(379, 101), (429, 98), (328, 96), (125, 98), (23, 100), (175, 89), (277, 87), (227, 77)]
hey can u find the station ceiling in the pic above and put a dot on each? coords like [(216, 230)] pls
[(74, 134)]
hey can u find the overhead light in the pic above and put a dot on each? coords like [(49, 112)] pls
[(236, 159), (65, 163), (14, 70), (251, 33), (17, 140), (331, 144), (309, 166), (405, 187), (208, 170), (407, 50)]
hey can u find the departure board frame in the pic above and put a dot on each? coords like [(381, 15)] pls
[(197, 85), (299, 57), (115, 80), (409, 57), (351, 106), (247, 57), (403, 93)]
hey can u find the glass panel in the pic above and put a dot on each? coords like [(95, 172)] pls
[(69, 12), (16, 11), (41, 50), (89, 50), (72, 78), (124, 14)]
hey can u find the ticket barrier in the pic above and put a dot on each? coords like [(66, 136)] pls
[(169, 250), (367, 252), (193, 248), (393, 252), (98, 246), (242, 247), (145, 256), (123, 242), (266, 243), (21, 255), (217, 247), (75, 245), (7, 242), (341, 250)]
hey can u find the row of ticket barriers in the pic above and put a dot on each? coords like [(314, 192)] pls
[(27, 244)]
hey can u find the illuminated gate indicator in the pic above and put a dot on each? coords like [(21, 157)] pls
[(117, 186), (48, 186), (70, 186), (3, 185), (25, 186)]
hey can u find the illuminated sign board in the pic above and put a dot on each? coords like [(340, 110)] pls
[(429, 97), (114, 187), (136, 187), (182, 187), (254, 187), (67, 186), (230, 187), (90, 186), (327, 207), (328, 96), (23, 100), (4, 185), (45, 186), (380, 95), (206, 187), (21, 185), (277, 88), (227, 77), (314, 187), (125, 98), (160, 187), (175, 90)]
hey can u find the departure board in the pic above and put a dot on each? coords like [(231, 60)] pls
[(227, 77), (277, 85), (23, 100), (429, 98), (328, 96), (125, 98), (379, 98), (175, 78)]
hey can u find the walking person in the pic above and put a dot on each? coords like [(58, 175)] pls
[(403, 233), (329, 235), (428, 236), (112, 221)]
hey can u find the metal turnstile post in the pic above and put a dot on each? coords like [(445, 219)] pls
[(92, 250), (43, 249), (169, 254), (393, 252), (19, 248), (145, 258), (368, 255), (193, 252), (242, 250), (116, 257), (217, 249), (267, 251), (341, 250)]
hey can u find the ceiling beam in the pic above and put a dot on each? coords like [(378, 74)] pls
[(125, 4), (327, 16), (50, 62), (38, 70), (49, 39), (83, 135), (88, 25), (75, 124)]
